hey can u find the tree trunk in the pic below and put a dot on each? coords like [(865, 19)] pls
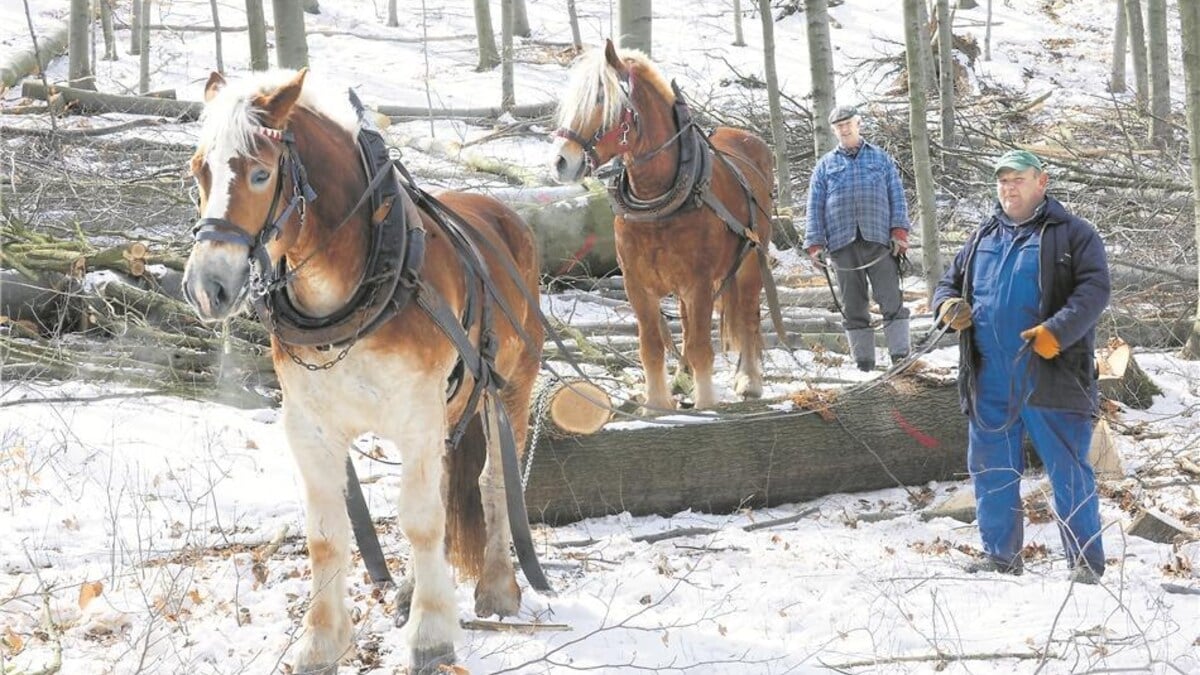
[(508, 98), (945, 38), (739, 40), (106, 24), (987, 34), (920, 147), (1137, 46), (908, 431), (256, 25), (967, 4), (393, 19), (573, 19), (820, 62), (520, 19), (488, 56), (925, 52), (1189, 15), (291, 42), (312, 7), (135, 28), (144, 51), (28, 62), (216, 17), (785, 234), (1116, 80), (1160, 71), (99, 102), (636, 24), (79, 69)]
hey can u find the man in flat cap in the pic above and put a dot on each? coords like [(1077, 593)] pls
[(1025, 293), (858, 215)]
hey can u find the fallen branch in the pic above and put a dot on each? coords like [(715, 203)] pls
[(96, 102), (529, 110), (939, 657), (512, 626)]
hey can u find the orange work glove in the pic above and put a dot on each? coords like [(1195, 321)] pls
[(955, 313), (899, 241), (817, 253), (1045, 344)]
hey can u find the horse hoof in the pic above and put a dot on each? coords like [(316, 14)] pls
[(747, 388), (428, 661), (402, 605), (500, 599)]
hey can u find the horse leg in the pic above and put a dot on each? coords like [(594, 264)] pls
[(743, 310), (327, 638), (497, 591), (651, 347), (433, 623), (697, 344)]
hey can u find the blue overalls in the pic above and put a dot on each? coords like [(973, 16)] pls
[(1006, 298)]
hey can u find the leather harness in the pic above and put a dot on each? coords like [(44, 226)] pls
[(391, 281)]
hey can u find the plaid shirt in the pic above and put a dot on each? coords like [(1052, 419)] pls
[(849, 195)]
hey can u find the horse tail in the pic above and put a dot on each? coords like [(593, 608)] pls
[(465, 528)]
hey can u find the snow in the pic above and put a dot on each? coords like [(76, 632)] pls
[(171, 503)]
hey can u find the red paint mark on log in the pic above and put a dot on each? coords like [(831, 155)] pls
[(919, 436)]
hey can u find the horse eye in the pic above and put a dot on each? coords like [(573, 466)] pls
[(259, 177)]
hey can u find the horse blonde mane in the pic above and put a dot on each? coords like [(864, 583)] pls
[(592, 80), (230, 121)]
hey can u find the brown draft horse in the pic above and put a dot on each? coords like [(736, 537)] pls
[(391, 381), (619, 105)]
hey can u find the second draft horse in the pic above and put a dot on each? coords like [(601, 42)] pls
[(692, 213)]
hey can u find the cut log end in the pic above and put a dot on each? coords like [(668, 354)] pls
[(577, 407)]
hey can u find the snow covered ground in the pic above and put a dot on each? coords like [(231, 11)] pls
[(154, 535)]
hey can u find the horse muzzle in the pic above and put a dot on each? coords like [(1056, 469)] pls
[(214, 282)]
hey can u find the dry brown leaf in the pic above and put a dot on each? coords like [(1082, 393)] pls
[(453, 669), (12, 642), (89, 591), (195, 596)]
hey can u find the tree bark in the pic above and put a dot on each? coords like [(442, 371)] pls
[(919, 134), (739, 40), (945, 37), (508, 98), (488, 56), (106, 25), (987, 34), (907, 431), (636, 24), (520, 19), (573, 19), (1116, 80), (1137, 46), (1189, 15), (785, 235), (1160, 72), (393, 19), (925, 52), (144, 51), (79, 68), (135, 28), (256, 25), (216, 18), (312, 6), (820, 63), (97, 102), (967, 4), (291, 42)]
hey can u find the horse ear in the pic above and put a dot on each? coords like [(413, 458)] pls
[(278, 104), (215, 82), (610, 55)]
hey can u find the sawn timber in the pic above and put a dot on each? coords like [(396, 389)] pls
[(908, 430)]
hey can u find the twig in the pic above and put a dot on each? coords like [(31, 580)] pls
[(512, 626), (940, 657)]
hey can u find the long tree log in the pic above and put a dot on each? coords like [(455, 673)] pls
[(26, 62), (573, 226), (96, 102), (907, 431), (402, 112)]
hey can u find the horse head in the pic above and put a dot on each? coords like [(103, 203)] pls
[(251, 185), (599, 117)]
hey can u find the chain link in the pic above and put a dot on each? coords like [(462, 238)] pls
[(540, 404)]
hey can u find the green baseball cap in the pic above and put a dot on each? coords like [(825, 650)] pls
[(1017, 160)]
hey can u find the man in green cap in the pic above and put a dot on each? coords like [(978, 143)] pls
[(1025, 293)]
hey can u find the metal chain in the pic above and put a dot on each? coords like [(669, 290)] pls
[(540, 404)]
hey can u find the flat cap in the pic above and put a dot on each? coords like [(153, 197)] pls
[(1017, 160), (842, 113)]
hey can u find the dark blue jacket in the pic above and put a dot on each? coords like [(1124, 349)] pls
[(1073, 271)]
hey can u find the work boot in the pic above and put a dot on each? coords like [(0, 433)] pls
[(1083, 574), (897, 358), (1015, 568), (866, 366)]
